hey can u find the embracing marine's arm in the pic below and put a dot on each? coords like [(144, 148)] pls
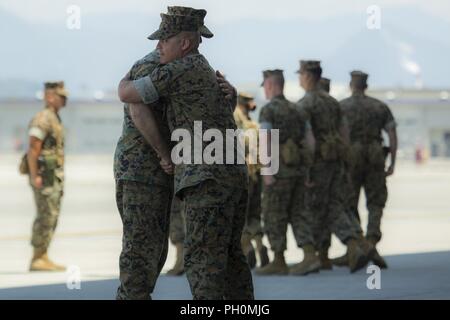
[(144, 120), (127, 91)]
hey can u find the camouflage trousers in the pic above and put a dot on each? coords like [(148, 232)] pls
[(328, 200), (215, 265), (322, 233), (372, 178), (145, 212), (253, 227), (282, 203), (48, 204), (177, 224)]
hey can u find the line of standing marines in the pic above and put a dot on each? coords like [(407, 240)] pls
[(329, 150)]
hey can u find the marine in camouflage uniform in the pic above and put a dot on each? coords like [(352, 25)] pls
[(283, 194), (45, 162), (326, 198), (253, 228), (367, 118), (215, 195), (322, 233), (143, 196)]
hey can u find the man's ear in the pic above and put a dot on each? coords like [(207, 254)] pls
[(185, 44)]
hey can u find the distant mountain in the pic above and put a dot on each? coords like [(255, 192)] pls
[(98, 55)]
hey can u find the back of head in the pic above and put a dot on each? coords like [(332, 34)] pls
[(324, 84), (312, 67), (275, 76), (358, 80)]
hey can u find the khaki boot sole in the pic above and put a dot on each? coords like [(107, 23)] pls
[(47, 268)]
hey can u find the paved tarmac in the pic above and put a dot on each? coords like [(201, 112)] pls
[(416, 241)]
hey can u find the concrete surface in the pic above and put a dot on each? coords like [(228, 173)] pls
[(416, 238)]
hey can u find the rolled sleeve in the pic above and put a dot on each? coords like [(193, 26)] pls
[(146, 90), (37, 133)]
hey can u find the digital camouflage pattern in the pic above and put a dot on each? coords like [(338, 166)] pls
[(135, 159), (367, 117), (145, 212), (253, 225), (46, 125), (215, 206), (48, 203), (326, 199), (199, 13), (171, 25), (143, 196), (214, 262), (190, 87), (283, 202), (177, 223), (281, 114)]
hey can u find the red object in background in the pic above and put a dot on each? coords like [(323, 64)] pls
[(419, 155)]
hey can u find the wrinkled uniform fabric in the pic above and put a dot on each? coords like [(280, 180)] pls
[(326, 199), (143, 197), (367, 118), (214, 194), (253, 226), (283, 202), (50, 130)]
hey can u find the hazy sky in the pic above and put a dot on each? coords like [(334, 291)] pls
[(408, 51), (219, 11)]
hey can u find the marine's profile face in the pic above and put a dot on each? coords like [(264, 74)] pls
[(170, 49), (55, 100), (251, 105), (303, 79)]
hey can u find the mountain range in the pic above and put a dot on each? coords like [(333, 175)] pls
[(410, 49)]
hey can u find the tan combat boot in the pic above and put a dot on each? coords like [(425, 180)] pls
[(178, 268), (310, 263), (277, 267), (357, 258), (41, 262), (262, 252), (325, 262), (376, 258)]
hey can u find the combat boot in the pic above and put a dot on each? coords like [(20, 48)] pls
[(277, 267), (310, 263), (376, 258), (41, 262), (262, 252), (357, 258), (341, 261), (178, 268), (248, 250), (325, 262)]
